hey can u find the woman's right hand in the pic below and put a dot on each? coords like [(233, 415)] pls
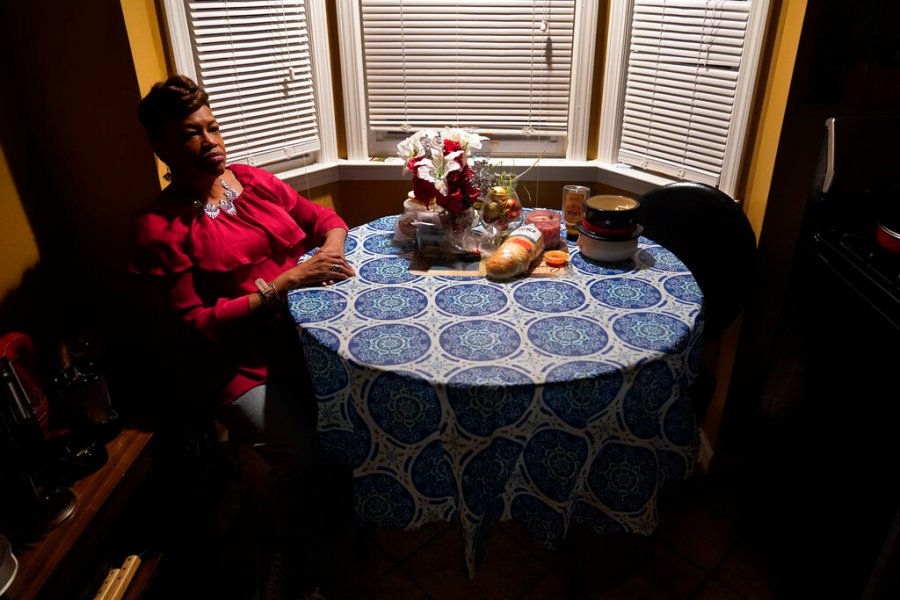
[(325, 267)]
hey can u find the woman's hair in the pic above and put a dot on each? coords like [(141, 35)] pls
[(174, 98)]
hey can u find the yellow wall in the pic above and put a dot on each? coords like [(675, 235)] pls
[(148, 50), (17, 245), (775, 88), (80, 161)]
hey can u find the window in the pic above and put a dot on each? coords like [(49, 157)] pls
[(678, 80), (504, 68), (680, 75), (265, 72)]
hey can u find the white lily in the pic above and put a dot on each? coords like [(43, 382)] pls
[(435, 169), (416, 144), (467, 139)]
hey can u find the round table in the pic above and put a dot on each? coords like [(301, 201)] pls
[(547, 400)]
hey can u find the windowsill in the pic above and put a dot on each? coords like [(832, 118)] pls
[(548, 169)]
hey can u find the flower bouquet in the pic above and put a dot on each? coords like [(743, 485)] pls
[(439, 209)]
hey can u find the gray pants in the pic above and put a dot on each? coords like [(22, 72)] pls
[(273, 420), (278, 422)]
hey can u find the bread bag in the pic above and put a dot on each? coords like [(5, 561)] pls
[(516, 253)]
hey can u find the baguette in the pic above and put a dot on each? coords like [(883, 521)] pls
[(516, 253)]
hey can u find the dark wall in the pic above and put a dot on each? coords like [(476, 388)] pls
[(848, 64), (79, 159), (810, 411)]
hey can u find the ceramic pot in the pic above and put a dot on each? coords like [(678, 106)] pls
[(611, 216), (605, 249)]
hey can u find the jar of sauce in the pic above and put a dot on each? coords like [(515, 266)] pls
[(548, 223)]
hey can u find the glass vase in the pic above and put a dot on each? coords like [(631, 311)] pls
[(501, 213), (460, 236), (405, 228)]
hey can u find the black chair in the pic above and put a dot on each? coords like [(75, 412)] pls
[(707, 230)]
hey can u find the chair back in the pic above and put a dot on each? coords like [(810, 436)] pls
[(707, 230)]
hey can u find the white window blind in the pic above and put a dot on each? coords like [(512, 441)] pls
[(253, 59), (497, 66), (683, 69)]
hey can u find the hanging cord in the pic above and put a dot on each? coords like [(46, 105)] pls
[(713, 22), (291, 76), (406, 126), (237, 83), (645, 161), (528, 129), (548, 66), (456, 68)]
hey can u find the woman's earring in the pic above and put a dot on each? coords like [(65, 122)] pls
[(168, 175)]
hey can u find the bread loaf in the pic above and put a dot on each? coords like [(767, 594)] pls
[(516, 253)]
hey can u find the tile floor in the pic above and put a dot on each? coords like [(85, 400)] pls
[(701, 550)]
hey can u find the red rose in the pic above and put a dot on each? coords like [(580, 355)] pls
[(453, 202), (451, 146), (423, 190)]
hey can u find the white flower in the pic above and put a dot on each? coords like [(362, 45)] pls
[(424, 141), (435, 169), (467, 139), (416, 144)]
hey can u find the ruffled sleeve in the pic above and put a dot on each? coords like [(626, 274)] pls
[(157, 244), (159, 249), (314, 219)]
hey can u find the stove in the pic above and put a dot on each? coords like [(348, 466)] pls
[(871, 271), (858, 185)]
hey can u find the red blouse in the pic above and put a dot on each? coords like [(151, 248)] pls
[(207, 267)]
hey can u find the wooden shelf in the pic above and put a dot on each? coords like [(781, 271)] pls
[(49, 566)]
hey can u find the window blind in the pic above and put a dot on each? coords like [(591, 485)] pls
[(497, 66), (682, 73), (253, 59)]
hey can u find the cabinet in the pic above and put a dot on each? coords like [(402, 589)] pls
[(62, 562)]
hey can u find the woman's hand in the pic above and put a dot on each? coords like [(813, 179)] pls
[(325, 267)]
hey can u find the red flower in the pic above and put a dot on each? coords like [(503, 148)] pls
[(451, 146), (461, 192), (423, 190), (454, 202)]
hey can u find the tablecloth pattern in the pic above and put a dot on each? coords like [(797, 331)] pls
[(549, 401)]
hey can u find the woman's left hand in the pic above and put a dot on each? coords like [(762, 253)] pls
[(326, 267)]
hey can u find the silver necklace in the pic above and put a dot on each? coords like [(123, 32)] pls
[(227, 203)]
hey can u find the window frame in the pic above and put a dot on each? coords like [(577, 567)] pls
[(613, 94), (182, 54), (605, 169), (361, 144)]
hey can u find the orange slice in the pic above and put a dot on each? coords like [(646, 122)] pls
[(555, 258)]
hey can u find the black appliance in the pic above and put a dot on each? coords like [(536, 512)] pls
[(28, 499), (834, 401), (858, 187)]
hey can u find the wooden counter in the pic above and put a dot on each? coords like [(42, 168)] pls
[(52, 564)]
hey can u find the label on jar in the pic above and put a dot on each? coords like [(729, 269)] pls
[(573, 206), (526, 234)]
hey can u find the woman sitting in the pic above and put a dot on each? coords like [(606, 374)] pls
[(223, 242)]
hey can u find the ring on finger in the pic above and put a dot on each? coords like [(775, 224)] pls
[(335, 268)]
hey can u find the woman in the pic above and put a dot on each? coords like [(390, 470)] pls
[(223, 243)]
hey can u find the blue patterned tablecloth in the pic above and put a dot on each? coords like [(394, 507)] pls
[(545, 400)]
